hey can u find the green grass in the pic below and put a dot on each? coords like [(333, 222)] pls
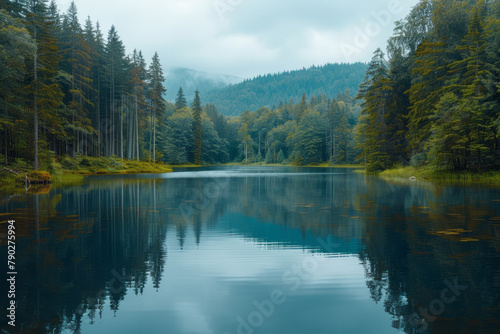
[(107, 166), (439, 175), (65, 180)]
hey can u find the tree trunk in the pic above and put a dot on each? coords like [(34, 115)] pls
[(35, 106), (98, 115), (136, 126), (154, 133), (121, 129)]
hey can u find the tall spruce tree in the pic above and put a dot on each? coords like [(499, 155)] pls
[(180, 100), (375, 107), (44, 92), (197, 130), (156, 100)]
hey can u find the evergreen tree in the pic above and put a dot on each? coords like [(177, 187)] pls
[(77, 58), (375, 107), (180, 101), (17, 46), (44, 93), (197, 129), (156, 91), (139, 76)]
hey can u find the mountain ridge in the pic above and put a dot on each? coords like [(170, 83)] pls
[(269, 90)]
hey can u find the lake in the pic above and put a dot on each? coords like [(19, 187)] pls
[(254, 250)]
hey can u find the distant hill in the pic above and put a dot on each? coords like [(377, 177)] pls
[(191, 80), (271, 89)]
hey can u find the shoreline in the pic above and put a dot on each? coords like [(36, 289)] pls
[(430, 174)]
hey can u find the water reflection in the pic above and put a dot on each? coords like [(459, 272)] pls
[(195, 252)]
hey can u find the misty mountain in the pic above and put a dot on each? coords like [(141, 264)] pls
[(271, 89), (191, 80)]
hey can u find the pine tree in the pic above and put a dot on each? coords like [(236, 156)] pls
[(473, 83), (301, 107), (155, 91), (180, 101), (430, 70), (43, 89), (116, 82), (17, 46), (375, 106), (197, 130), (78, 61), (139, 76)]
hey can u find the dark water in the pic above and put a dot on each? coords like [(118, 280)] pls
[(254, 250)]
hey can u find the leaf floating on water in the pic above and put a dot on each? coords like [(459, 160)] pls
[(468, 239), (459, 230), (447, 233)]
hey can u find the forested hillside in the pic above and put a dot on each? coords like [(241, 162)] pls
[(435, 98), (271, 89)]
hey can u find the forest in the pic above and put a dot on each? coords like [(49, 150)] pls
[(272, 89), (67, 91), (435, 98)]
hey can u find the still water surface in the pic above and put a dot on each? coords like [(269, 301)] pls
[(255, 250)]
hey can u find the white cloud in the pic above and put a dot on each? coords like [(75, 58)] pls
[(243, 37)]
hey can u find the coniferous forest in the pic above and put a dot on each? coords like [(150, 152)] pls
[(68, 89)]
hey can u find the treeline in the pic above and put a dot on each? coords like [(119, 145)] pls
[(65, 89), (435, 99), (271, 89), (308, 132)]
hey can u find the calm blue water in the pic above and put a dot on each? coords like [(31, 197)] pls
[(255, 250)]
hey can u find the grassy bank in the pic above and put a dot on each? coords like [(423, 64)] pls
[(69, 171), (106, 166), (438, 175)]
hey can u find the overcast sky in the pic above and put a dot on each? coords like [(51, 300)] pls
[(248, 37)]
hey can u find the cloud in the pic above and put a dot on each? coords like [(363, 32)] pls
[(243, 37)]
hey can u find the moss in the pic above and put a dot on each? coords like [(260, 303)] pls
[(38, 177)]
